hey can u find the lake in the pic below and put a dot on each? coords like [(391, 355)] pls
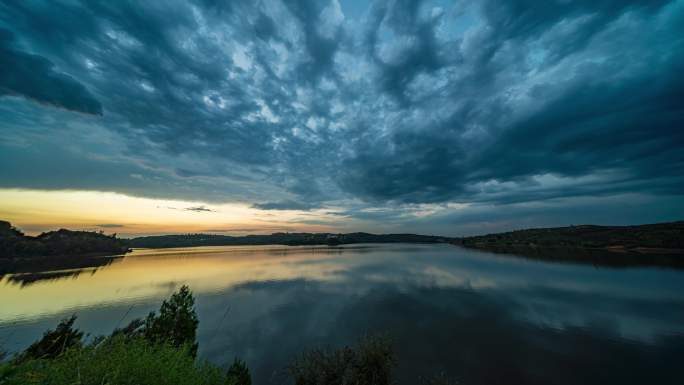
[(477, 317)]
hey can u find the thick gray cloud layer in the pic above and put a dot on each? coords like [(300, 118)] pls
[(33, 76), (304, 104)]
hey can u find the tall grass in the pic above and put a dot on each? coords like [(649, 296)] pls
[(117, 360)]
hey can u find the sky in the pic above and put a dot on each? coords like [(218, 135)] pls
[(257, 116)]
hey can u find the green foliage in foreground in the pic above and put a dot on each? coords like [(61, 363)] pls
[(159, 350), (117, 360)]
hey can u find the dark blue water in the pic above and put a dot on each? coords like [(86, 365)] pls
[(476, 317)]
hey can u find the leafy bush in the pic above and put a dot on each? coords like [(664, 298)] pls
[(368, 363)]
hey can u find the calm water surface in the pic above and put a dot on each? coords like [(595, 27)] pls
[(477, 317)]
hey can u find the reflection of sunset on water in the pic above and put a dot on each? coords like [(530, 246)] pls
[(147, 273), (268, 303)]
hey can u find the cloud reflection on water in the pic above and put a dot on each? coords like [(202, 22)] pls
[(479, 317)]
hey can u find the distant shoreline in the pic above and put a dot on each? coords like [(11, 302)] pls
[(617, 246), (283, 239), (659, 244)]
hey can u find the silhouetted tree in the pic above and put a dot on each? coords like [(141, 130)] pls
[(176, 323)]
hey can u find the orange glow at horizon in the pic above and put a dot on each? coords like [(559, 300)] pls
[(35, 211)]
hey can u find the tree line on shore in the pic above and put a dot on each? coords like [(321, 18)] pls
[(15, 244)]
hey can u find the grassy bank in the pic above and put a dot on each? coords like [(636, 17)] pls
[(116, 360)]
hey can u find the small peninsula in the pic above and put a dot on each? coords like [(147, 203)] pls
[(61, 243)]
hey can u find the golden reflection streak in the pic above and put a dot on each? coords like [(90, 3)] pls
[(148, 273)]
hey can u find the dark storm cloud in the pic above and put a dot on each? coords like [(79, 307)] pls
[(605, 114), (297, 105), (320, 49), (36, 78), (422, 54)]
